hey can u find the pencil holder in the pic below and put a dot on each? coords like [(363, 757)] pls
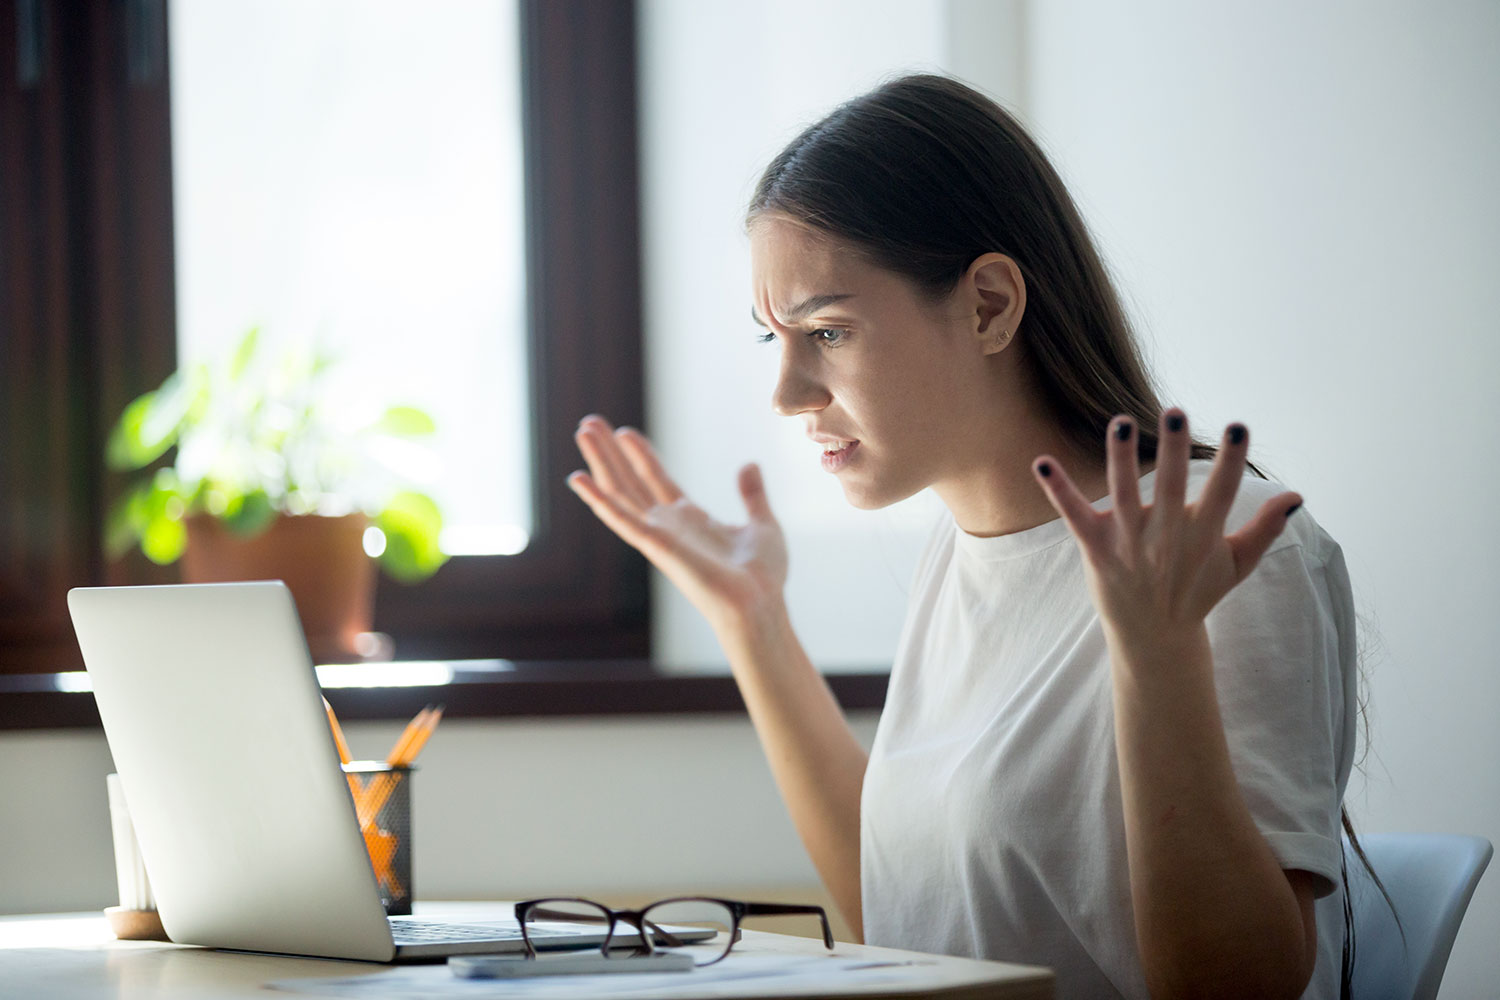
[(382, 802), (135, 919)]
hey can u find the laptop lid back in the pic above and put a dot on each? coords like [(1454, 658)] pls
[(217, 728)]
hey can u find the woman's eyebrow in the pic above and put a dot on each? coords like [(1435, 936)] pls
[(808, 305)]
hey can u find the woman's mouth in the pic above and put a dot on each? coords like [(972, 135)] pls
[(837, 454)]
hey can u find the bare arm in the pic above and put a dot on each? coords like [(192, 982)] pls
[(818, 764), (735, 575), (1215, 914)]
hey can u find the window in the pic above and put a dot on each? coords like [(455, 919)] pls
[(365, 197), (88, 307)]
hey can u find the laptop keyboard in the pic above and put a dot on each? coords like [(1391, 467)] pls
[(407, 932)]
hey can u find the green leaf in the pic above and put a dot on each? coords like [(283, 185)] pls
[(125, 521), (244, 353), (159, 512), (164, 539), (129, 446), (323, 361), (412, 524), (198, 390), (125, 450), (404, 421), (252, 514), (150, 425)]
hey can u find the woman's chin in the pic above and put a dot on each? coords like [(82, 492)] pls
[(872, 496)]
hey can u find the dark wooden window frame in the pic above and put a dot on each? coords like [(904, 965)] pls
[(577, 592), (87, 321)]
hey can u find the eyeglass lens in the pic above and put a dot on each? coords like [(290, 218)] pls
[(702, 925), (566, 911)]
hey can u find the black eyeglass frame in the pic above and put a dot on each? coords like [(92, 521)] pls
[(636, 918)]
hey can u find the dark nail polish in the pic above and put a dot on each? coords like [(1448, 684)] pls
[(1045, 469), (1174, 423), (1236, 433), (1123, 431), (1293, 508)]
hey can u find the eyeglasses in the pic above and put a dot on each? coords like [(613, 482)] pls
[(672, 923)]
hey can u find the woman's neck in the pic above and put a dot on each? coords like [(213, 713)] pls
[(1002, 497)]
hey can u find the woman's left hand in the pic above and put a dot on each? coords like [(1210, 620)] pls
[(1156, 571)]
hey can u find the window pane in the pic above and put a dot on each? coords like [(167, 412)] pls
[(348, 175)]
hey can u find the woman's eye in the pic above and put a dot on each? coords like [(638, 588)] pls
[(827, 336)]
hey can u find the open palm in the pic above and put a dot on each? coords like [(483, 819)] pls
[(725, 570), (1159, 568)]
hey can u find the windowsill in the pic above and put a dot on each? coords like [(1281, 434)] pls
[(476, 689)]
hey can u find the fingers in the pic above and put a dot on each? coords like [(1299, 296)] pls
[(753, 491), (1224, 481), (1251, 542), (1124, 469), (617, 516), (610, 469), (1074, 507), (1172, 450), (643, 459)]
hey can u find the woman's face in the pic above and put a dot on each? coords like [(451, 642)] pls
[(888, 383)]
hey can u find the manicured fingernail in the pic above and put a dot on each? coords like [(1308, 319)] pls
[(1045, 468), (1174, 422), (1123, 431), (1236, 433), (1293, 508)]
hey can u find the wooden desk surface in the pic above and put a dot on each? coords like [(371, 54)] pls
[(75, 957)]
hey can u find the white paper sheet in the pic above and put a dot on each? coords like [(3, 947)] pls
[(736, 976)]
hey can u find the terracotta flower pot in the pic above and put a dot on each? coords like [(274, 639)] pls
[(321, 559)]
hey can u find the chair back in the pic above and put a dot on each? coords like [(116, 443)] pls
[(1430, 877)]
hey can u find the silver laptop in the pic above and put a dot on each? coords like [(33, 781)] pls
[(244, 818)]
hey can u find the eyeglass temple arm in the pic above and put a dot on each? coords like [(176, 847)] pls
[(541, 913), (787, 910)]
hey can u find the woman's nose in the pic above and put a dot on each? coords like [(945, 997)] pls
[(797, 390)]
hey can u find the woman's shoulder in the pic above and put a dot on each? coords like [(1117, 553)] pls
[(1302, 529)]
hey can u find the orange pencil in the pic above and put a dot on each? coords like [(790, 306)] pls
[(338, 733), (407, 735), (422, 736), (405, 751)]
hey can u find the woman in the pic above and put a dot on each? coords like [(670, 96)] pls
[(1123, 758)]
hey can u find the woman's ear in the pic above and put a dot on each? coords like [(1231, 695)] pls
[(997, 294)]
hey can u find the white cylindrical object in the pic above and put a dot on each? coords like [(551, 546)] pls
[(130, 868)]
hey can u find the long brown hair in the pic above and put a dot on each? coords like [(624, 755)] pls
[(923, 175)]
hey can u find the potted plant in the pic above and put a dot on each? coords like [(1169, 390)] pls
[(271, 480)]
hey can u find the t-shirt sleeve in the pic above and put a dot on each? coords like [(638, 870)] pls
[(1279, 669)]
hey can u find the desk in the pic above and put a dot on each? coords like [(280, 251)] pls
[(75, 957)]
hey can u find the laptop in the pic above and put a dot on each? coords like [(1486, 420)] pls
[(243, 815)]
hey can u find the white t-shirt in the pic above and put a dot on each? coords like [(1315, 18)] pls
[(991, 823)]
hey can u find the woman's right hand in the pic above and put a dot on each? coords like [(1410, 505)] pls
[(731, 573)]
